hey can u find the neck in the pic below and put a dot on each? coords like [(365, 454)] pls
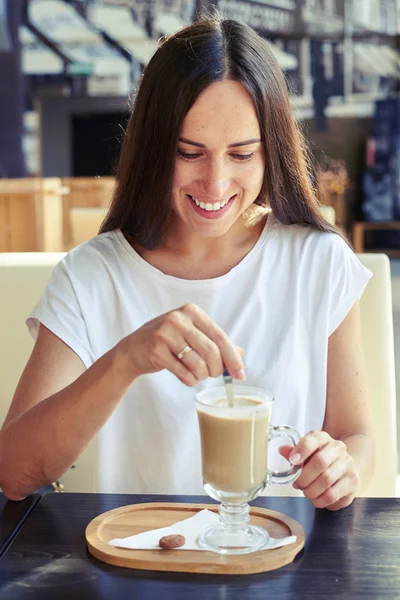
[(245, 232), (189, 256)]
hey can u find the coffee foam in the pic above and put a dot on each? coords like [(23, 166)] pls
[(243, 405)]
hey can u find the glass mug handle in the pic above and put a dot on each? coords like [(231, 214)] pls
[(291, 474)]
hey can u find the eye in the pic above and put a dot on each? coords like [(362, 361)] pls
[(243, 157), (187, 156)]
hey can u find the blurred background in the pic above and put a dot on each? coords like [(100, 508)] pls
[(68, 74)]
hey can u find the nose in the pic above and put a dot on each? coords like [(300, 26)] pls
[(216, 179)]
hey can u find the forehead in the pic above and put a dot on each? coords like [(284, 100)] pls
[(224, 112)]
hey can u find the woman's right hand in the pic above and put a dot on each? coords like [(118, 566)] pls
[(156, 345)]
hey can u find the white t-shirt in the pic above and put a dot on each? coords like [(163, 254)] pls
[(280, 303)]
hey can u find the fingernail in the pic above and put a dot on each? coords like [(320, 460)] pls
[(295, 458), (296, 487), (241, 375)]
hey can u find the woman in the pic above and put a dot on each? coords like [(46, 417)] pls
[(213, 243)]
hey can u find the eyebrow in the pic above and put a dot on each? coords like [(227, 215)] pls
[(245, 143)]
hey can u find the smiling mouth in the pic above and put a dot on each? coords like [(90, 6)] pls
[(211, 207)]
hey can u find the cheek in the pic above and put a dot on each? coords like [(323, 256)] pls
[(181, 180), (183, 175), (255, 177), (175, 179)]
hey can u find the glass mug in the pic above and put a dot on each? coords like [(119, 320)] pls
[(234, 449)]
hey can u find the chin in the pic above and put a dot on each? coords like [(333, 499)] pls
[(210, 231)]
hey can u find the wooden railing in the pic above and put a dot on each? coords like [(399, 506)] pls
[(85, 207), (51, 214), (361, 228)]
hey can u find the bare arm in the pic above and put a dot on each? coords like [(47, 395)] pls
[(57, 409), (338, 461), (347, 412)]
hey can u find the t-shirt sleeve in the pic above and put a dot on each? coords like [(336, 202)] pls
[(348, 280), (59, 310)]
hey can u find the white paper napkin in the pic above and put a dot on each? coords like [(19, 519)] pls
[(191, 528)]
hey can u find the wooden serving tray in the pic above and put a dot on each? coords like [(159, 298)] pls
[(136, 518)]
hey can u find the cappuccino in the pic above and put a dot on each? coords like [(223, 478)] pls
[(234, 443)]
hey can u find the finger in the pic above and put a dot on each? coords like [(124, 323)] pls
[(179, 331), (203, 348), (337, 492), (163, 358), (196, 365), (342, 503), (185, 375), (195, 362), (229, 353), (285, 451), (317, 465), (207, 350), (308, 444), (324, 480)]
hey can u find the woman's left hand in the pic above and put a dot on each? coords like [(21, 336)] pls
[(329, 477)]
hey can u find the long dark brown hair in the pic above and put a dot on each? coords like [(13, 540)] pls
[(185, 64)]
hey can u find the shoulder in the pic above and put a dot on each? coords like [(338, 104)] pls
[(309, 243), (103, 251)]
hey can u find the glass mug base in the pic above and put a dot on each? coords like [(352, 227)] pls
[(217, 539)]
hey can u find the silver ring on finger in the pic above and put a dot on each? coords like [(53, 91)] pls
[(184, 351)]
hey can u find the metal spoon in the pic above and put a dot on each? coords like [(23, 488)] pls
[(228, 381)]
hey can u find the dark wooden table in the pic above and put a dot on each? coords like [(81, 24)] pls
[(350, 554), (12, 516)]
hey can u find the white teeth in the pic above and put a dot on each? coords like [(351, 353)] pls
[(208, 206)]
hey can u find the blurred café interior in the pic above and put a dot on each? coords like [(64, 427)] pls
[(68, 74)]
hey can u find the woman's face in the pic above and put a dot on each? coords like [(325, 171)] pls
[(220, 163)]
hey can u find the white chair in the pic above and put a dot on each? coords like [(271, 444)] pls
[(23, 277), (328, 212), (378, 344)]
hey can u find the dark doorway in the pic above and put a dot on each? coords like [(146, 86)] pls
[(96, 142)]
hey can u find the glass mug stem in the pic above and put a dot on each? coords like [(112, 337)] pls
[(233, 534), (234, 517)]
